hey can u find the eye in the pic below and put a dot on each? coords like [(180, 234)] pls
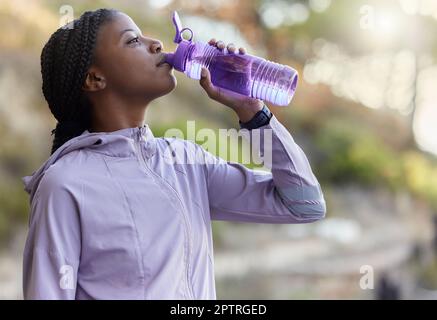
[(134, 40)]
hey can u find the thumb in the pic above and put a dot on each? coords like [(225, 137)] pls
[(206, 84)]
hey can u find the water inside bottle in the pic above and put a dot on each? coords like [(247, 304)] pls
[(258, 78)]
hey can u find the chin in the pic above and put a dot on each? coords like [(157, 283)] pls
[(168, 88), (173, 84)]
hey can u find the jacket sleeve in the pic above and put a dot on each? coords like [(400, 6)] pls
[(52, 250), (289, 193)]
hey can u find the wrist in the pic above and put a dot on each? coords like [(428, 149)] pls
[(261, 118), (246, 113)]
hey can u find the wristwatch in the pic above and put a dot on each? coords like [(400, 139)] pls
[(261, 118)]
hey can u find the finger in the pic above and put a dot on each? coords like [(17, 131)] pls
[(206, 84), (220, 44), (212, 41), (231, 47), (241, 50)]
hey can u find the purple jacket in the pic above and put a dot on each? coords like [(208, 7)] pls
[(114, 216)]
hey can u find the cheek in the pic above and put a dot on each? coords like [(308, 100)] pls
[(126, 72), (136, 71), (122, 61)]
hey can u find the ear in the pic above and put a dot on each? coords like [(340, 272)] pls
[(94, 81)]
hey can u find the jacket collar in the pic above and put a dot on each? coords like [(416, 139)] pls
[(121, 143), (124, 142)]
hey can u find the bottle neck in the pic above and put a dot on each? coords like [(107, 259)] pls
[(178, 59)]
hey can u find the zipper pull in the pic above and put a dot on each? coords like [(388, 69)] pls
[(139, 134)]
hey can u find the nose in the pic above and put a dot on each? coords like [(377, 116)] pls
[(157, 46)]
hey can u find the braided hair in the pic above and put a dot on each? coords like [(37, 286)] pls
[(65, 60)]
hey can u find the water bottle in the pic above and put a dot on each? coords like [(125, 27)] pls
[(242, 73)]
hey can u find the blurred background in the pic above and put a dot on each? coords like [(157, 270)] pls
[(364, 113)]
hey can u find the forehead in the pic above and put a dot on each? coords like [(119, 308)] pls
[(111, 31)]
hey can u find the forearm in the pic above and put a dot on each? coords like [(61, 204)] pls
[(291, 171), (290, 193)]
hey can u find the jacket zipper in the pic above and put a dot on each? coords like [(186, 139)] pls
[(187, 227)]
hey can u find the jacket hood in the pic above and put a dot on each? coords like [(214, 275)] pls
[(118, 143)]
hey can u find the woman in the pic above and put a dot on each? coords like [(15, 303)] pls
[(111, 217)]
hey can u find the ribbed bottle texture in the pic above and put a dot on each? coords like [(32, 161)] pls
[(274, 82), (243, 73)]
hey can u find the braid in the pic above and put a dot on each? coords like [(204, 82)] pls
[(65, 60)]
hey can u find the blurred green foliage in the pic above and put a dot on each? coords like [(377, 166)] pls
[(14, 208), (350, 153)]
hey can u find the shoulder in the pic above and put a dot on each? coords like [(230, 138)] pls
[(58, 197), (63, 177)]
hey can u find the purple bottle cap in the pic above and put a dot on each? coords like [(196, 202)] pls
[(178, 58), (178, 26)]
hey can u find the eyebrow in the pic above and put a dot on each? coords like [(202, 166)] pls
[(126, 30)]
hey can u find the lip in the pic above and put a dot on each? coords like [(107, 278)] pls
[(161, 61)]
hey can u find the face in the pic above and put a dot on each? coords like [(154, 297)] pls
[(127, 60)]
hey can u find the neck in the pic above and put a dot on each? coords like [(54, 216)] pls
[(111, 114)]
